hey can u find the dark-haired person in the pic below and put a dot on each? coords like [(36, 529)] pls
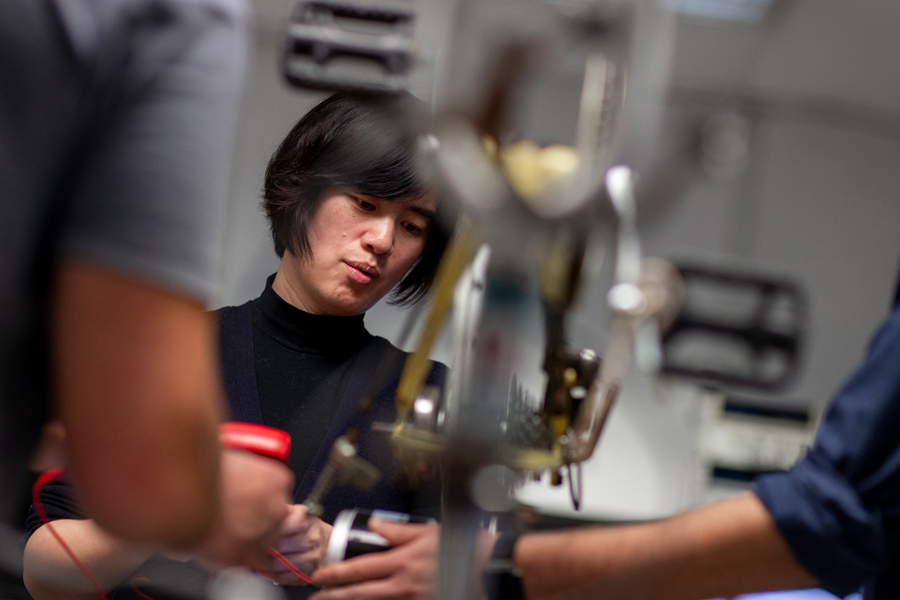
[(352, 222)]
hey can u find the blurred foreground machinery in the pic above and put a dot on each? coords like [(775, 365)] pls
[(534, 189)]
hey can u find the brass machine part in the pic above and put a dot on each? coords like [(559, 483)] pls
[(572, 379), (559, 424), (343, 467), (591, 420), (570, 374), (456, 258), (530, 169), (514, 457), (561, 262)]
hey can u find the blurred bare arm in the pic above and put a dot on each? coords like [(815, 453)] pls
[(721, 549), (254, 500), (50, 573), (137, 389)]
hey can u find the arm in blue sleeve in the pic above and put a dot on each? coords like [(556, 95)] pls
[(832, 508)]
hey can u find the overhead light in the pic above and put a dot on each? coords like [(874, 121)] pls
[(741, 11)]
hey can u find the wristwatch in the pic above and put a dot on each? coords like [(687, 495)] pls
[(501, 579)]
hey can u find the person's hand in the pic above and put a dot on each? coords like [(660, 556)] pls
[(302, 541), (408, 570), (254, 501)]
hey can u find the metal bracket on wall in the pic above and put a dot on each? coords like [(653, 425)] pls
[(350, 46), (736, 330)]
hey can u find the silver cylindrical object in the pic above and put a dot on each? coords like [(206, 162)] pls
[(351, 535)]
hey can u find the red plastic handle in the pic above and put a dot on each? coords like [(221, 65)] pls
[(263, 440)]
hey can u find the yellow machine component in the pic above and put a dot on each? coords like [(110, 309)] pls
[(530, 168), (456, 258), (411, 442), (491, 148), (532, 460), (559, 425), (555, 271)]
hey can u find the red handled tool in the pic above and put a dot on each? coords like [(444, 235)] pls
[(261, 439), (269, 442)]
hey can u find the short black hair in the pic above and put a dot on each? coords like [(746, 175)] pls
[(364, 144)]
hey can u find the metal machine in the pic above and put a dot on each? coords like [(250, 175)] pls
[(532, 199)]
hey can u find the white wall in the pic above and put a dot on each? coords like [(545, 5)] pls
[(270, 109)]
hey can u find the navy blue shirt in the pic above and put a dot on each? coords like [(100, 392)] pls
[(839, 508)]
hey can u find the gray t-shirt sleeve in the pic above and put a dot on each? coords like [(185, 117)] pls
[(149, 197)]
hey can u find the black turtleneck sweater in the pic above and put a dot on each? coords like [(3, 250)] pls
[(303, 362)]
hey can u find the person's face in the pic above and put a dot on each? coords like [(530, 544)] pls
[(361, 248)]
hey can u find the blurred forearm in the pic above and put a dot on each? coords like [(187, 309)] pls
[(49, 572), (137, 389), (722, 549)]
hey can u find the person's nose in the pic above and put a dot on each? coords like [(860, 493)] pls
[(380, 236)]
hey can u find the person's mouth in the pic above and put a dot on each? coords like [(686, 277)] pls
[(362, 272)]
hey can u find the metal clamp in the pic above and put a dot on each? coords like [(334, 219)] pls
[(374, 57), (343, 467)]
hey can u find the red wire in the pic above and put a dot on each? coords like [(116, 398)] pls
[(134, 582), (290, 567), (42, 480), (53, 474)]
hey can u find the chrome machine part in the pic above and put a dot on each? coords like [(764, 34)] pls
[(645, 295), (531, 209), (374, 55), (534, 207)]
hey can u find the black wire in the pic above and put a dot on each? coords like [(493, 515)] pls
[(576, 498)]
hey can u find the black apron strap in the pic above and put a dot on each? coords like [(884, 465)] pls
[(353, 388), (239, 363)]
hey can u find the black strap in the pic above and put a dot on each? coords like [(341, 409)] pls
[(353, 383), (239, 362)]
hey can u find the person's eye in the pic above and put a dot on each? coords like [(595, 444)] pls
[(365, 204), (412, 228)]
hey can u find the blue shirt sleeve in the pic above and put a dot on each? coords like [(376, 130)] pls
[(839, 508)]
